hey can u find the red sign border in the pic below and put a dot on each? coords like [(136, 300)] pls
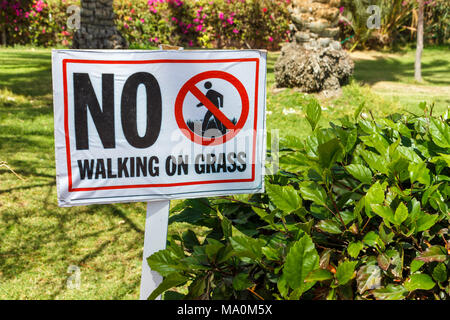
[(213, 74), (154, 185)]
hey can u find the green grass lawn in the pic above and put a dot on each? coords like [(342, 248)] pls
[(39, 240)]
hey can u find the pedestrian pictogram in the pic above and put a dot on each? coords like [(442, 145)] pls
[(217, 99), (216, 127)]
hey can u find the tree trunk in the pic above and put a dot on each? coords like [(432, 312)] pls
[(4, 36), (419, 49), (97, 28)]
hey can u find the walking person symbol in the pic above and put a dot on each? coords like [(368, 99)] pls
[(217, 100)]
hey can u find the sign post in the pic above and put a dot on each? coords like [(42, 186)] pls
[(155, 237), (157, 125)]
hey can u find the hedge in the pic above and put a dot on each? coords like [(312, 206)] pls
[(144, 23), (358, 210)]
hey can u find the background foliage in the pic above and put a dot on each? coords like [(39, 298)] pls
[(358, 211), (398, 23), (202, 23), (221, 23)]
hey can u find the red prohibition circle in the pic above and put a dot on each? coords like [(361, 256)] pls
[(190, 86)]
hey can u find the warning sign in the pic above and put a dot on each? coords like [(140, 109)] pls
[(216, 126), (152, 125)]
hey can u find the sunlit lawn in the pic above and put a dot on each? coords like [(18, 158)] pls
[(39, 240)]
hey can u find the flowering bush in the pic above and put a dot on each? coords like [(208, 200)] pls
[(199, 23), (205, 23), (35, 21)]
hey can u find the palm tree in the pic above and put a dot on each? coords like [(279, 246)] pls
[(419, 48), (97, 28)]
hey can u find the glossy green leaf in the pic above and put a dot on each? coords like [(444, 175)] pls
[(385, 212), (330, 226), (426, 221), (391, 292), (419, 172), (433, 253), (285, 198), (168, 282), (375, 161), (440, 273), (440, 133), (345, 272), (212, 248), (314, 192), (241, 282), (319, 275), (247, 247), (375, 195), (416, 265), (301, 260), (354, 249), (328, 152), (419, 281), (401, 214), (165, 262), (368, 277), (360, 172), (313, 112)]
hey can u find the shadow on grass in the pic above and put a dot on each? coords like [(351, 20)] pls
[(53, 237), (26, 73), (397, 70)]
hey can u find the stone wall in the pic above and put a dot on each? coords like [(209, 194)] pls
[(315, 23), (97, 28), (314, 60)]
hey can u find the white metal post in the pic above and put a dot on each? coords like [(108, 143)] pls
[(155, 238)]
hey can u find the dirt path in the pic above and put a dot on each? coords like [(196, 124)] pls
[(399, 88), (407, 89)]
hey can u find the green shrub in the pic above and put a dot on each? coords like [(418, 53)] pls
[(358, 211)]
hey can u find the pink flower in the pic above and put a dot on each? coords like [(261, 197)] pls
[(270, 39), (191, 43), (341, 10), (39, 5), (235, 30), (126, 25), (142, 20), (221, 17)]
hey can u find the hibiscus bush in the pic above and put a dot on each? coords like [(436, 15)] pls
[(205, 23), (37, 22), (202, 23), (358, 210)]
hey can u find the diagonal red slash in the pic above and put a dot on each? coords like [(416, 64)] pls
[(211, 107)]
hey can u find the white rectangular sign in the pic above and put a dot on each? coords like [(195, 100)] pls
[(152, 125)]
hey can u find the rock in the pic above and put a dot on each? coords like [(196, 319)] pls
[(314, 61), (302, 37), (312, 69)]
